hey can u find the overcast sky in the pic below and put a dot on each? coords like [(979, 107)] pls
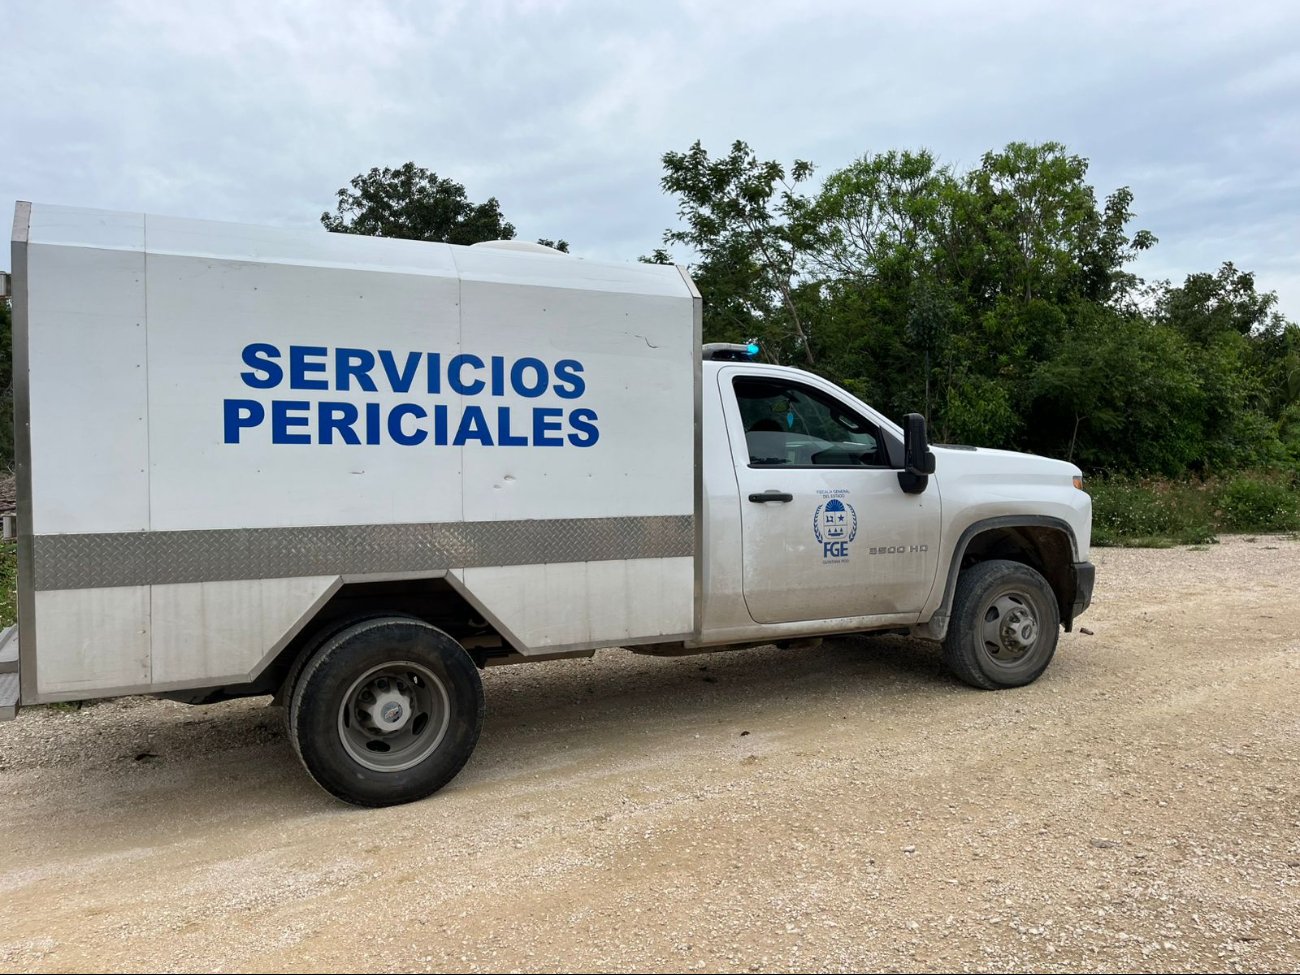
[(260, 111)]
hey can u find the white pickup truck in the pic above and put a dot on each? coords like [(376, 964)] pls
[(351, 472)]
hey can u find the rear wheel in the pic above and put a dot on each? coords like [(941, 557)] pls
[(1004, 626), (313, 644), (387, 711)]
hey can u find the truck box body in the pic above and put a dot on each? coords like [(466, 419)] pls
[(220, 425)]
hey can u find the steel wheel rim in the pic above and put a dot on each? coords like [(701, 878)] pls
[(394, 716), (1011, 627)]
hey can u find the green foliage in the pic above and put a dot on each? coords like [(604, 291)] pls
[(1148, 513), (414, 203), (1208, 306), (979, 410), (659, 255), (8, 584), (1254, 503), (882, 213), (1288, 434), (751, 229), (1034, 214), (1151, 426), (998, 301)]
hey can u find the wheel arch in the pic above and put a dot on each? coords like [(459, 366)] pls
[(436, 599), (1042, 542)]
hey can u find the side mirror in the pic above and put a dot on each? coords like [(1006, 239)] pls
[(918, 459)]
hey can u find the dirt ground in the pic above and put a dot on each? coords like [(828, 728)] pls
[(847, 808)]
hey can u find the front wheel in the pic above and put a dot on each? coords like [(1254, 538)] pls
[(1004, 626), (387, 711)]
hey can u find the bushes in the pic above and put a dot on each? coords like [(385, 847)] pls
[(1150, 513), (1255, 503), (1157, 513), (8, 584)]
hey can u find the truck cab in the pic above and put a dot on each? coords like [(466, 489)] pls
[(814, 524)]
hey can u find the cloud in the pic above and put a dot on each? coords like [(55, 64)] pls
[(260, 111)]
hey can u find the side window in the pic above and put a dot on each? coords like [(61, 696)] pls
[(791, 425)]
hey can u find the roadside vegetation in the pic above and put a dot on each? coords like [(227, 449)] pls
[(1158, 512), (8, 584), (999, 302)]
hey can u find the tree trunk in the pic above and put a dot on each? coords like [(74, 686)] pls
[(798, 326)]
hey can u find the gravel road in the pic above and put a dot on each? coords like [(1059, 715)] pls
[(846, 808)]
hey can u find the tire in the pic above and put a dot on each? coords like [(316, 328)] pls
[(1004, 626), (308, 650), (387, 711), (318, 639)]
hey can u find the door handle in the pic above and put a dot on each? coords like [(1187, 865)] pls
[(771, 496)]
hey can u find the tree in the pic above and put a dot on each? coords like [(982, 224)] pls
[(882, 212), (1154, 421), (1226, 302), (881, 223), (416, 204), (1031, 202), (1000, 300), (1245, 358), (751, 229)]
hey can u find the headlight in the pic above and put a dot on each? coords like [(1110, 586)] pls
[(1078, 481)]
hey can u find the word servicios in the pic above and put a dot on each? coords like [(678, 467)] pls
[(421, 419)]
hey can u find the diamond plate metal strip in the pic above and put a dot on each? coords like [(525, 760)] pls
[(99, 561)]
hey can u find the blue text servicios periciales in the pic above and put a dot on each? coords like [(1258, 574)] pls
[(408, 424)]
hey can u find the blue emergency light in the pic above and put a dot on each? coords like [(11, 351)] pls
[(731, 351)]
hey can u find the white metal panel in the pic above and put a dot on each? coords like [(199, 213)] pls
[(294, 245), (87, 375), (204, 312), (497, 266), (636, 361), (92, 640), (220, 631), (78, 227), (588, 602)]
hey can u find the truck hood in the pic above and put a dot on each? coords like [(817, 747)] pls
[(1000, 466)]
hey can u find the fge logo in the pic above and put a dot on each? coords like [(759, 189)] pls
[(835, 524)]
